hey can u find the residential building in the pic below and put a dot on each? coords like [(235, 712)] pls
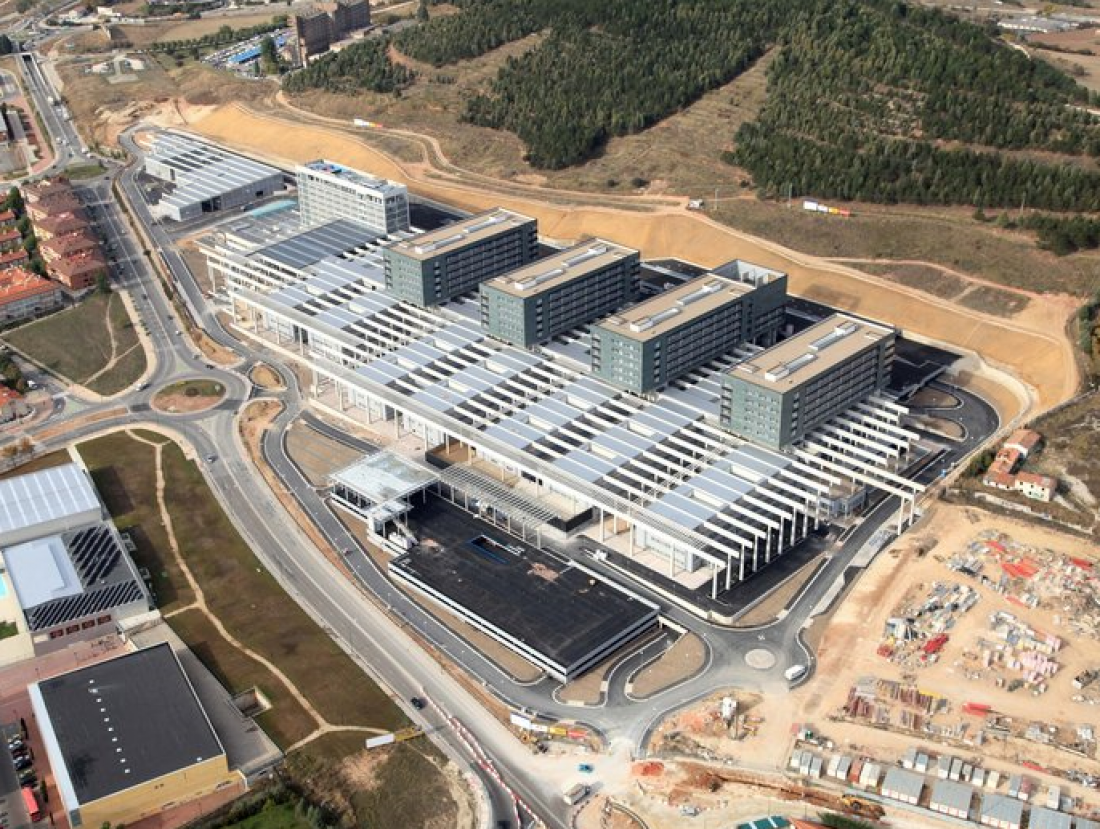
[(653, 343), (1004, 472), (8, 219), (204, 178), (440, 265), (79, 272), (778, 396), (50, 197), (60, 224), (128, 738), (312, 33), (328, 191), (1037, 487), (18, 258), (24, 296), (350, 16), (10, 239), (1024, 441), (69, 245), (573, 287)]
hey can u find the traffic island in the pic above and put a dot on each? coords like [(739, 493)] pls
[(188, 396)]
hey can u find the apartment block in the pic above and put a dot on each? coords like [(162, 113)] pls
[(313, 33), (350, 16), (646, 347), (437, 266), (536, 303), (328, 191), (24, 296), (776, 397)]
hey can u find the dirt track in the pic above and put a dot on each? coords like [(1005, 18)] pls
[(1032, 345)]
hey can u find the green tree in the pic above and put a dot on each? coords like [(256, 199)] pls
[(422, 15), (269, 56), (6, 46)]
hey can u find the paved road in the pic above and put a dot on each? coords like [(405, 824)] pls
[(379, 644), (379, 639)]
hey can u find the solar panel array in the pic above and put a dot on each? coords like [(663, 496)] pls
[(105, 574)]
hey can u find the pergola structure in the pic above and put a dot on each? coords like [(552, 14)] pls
[(660, 469)]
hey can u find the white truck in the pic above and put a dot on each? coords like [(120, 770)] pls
[(576, 794), (795, 672)]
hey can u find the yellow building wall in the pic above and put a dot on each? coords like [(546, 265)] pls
[(151, 797)]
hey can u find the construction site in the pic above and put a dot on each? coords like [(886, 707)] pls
[(963, 691)]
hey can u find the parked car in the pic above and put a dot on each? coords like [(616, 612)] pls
[(417, 703), (586, 768), (23, 763)]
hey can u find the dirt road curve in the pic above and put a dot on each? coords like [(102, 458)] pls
[(1032, 346)]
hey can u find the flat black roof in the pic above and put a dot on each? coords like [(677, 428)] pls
[(126, 721), (532, 595)]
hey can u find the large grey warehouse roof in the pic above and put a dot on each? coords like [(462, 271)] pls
[(203, 171), (44, 496), (124, 722)]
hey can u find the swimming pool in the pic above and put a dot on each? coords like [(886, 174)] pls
[(273, 207)]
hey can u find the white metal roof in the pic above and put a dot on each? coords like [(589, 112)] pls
[(384, 477), (41, 571), (47, 495)]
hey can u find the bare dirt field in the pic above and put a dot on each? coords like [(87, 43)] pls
[(317, 455), (1031, 345), (1085, 69), (265, 377), (683, 660)]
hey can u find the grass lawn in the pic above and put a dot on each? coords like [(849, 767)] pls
[(239, 591), (194, 388), (125, 475), (404, 786), (8, 629), (287, 721), (247, 599), (273, 816), (78, 172), (76, 344)]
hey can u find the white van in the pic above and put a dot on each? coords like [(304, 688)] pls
[(795, 672)]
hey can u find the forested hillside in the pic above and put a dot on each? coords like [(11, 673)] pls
[(867, 99), (363, 65)]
